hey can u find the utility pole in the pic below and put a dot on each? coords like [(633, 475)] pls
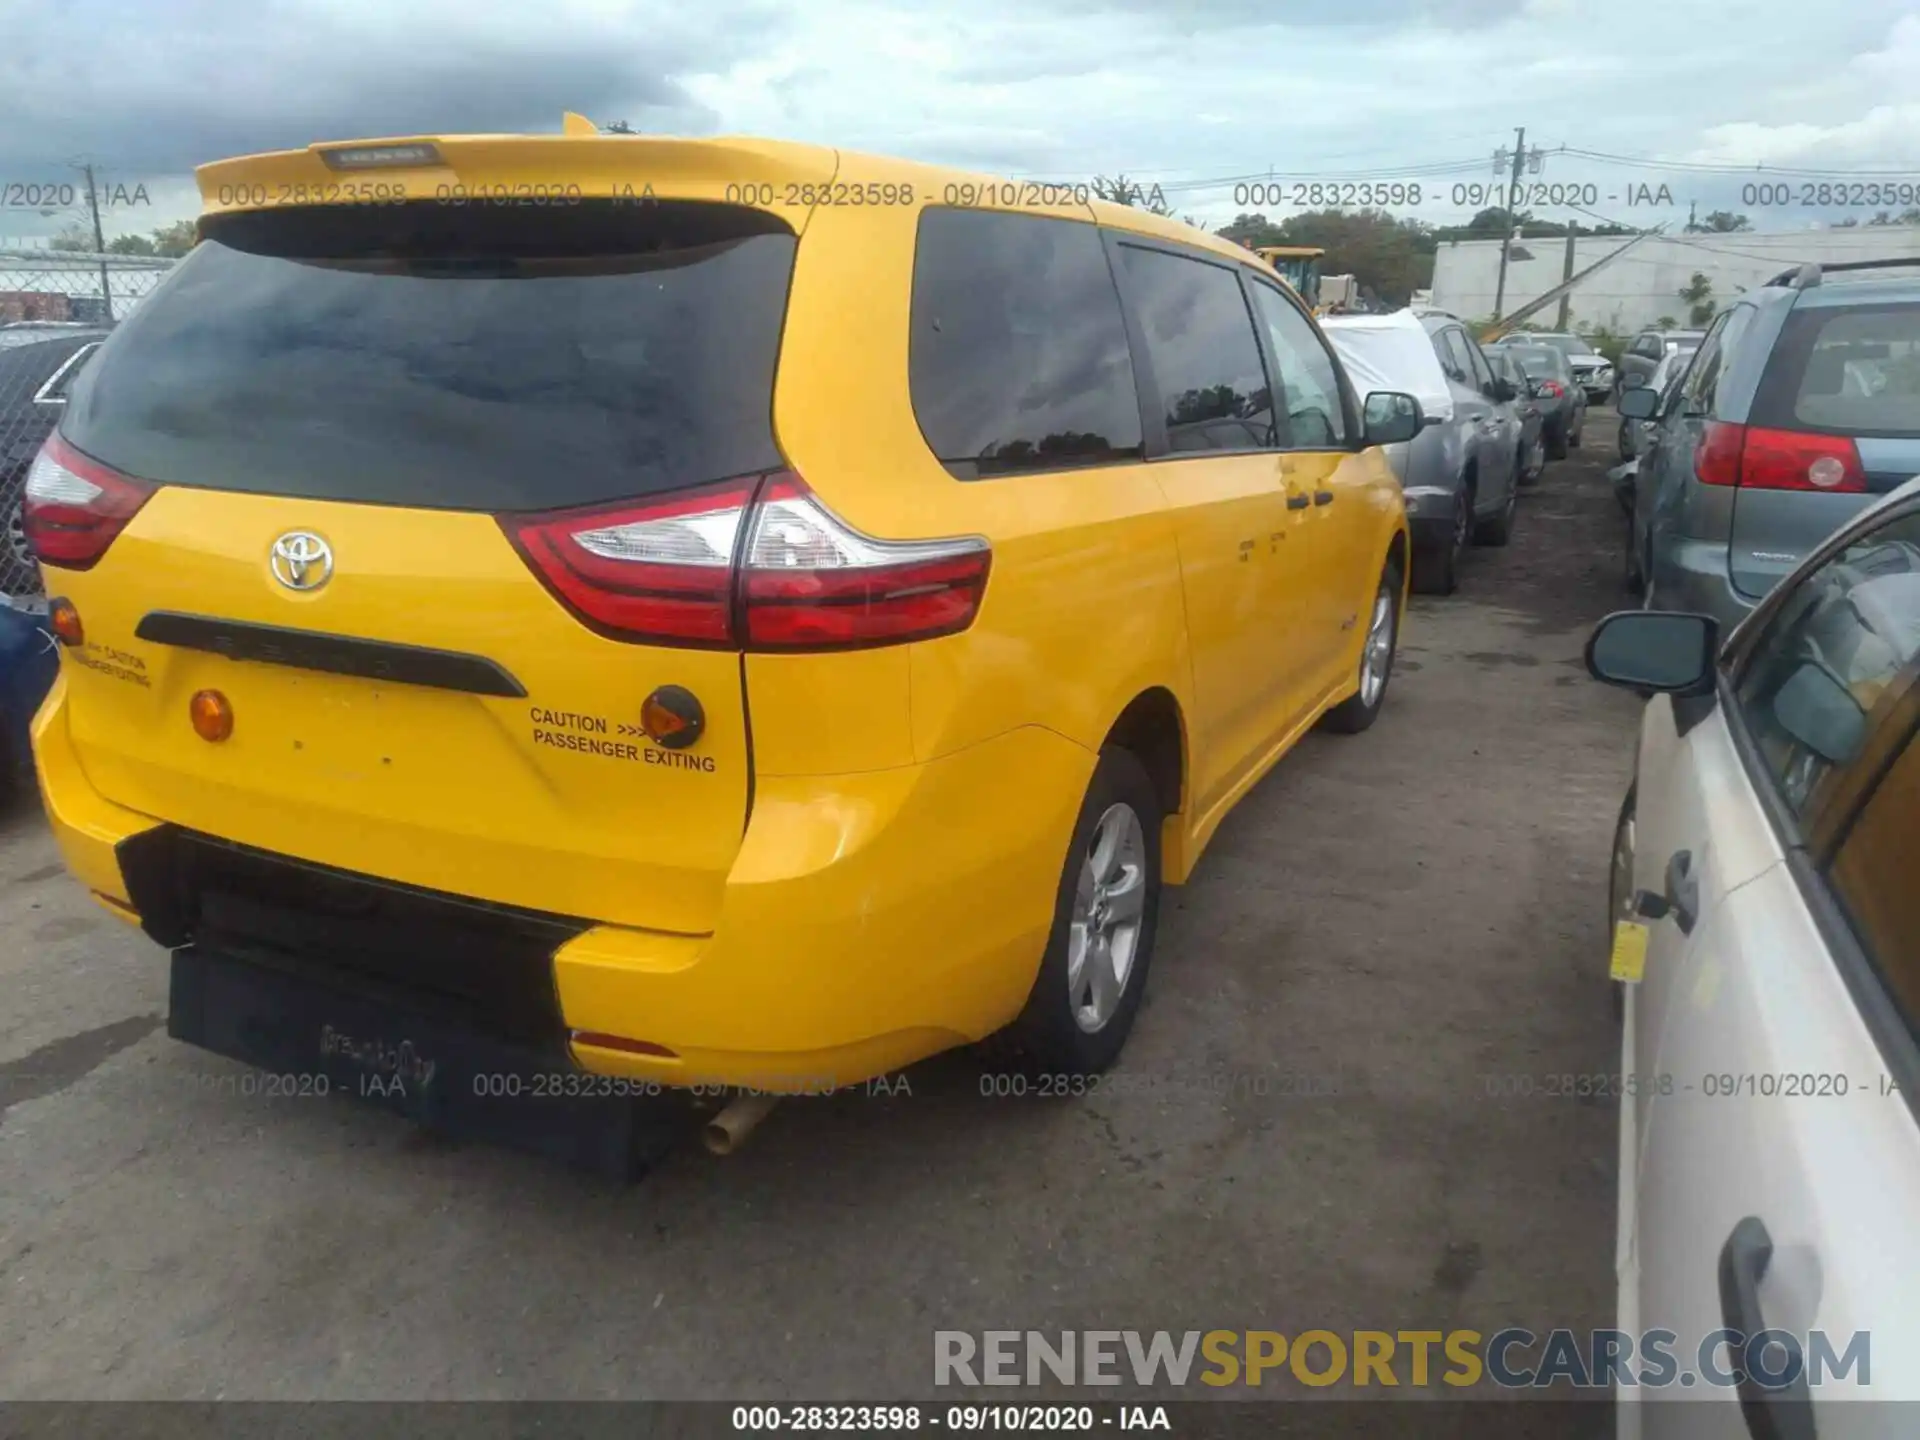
[(1693, 208), (99, 243), (1566, 274), (1506, 238)]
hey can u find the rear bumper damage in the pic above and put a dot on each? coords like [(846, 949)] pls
[(869, 920)]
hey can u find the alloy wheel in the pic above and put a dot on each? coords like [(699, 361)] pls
[(1109, 908)]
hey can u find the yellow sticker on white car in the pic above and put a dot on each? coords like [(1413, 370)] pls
[(1629, 951)]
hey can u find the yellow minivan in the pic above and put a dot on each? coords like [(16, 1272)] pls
[(708, 612)]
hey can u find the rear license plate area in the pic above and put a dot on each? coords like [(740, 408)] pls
[(325, 1039)]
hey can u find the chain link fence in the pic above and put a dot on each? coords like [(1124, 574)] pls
[(55, 309)]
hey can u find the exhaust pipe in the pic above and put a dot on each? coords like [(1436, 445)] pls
[(728, 1130)]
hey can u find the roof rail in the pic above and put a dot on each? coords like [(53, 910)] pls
[(1807, 276), (1801, 277)]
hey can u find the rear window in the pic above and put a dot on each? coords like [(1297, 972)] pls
[(1849, 371), (451, 358), (1019, 358), (1538, 361)]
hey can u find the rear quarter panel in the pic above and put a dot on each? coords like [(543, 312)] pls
[(1083, 607)]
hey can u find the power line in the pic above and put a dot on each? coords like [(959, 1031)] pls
[(1711, 168)]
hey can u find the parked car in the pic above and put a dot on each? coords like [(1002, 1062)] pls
[(29, 660), (1592, 370), (1767, 949), (832, 712), (1563, 404), (1647, 349), (1527, 407), (1470, 433), (1802, 405), (38, 363), (1664, 379)]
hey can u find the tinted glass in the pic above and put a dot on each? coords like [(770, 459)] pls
[(1849, 371), (1315, 419), (1019, 356), (1565, 344), (1834, 659), (1704, 374), (1540, 362), (1482, 376), (1206, 362), (1456, 358), (450, 357), (1872, 877)]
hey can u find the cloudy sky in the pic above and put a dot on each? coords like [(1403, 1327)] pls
[(1196, 96)]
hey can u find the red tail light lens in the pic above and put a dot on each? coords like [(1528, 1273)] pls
[(1551, 389), (1716, 454), (659, 571), (814, 583), (1755, 458), (1792, 460), (805, 580), (73, 506)]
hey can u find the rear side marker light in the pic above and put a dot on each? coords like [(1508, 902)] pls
[(64, 621), (759, 564), (73, 506), (620, 1042), (212, 715)]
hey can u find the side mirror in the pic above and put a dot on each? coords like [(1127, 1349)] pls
[(1821, 713), (1502, 390), (1391, 416), (1639, 403), (1655, 650)]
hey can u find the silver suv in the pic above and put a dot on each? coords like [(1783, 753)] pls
[(1801, 406)]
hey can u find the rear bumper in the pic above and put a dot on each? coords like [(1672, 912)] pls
[(869, 920), (1692, 576)]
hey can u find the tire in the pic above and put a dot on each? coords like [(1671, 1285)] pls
[(1436, 568), (1498, 530), (1557, 441), (1377, 648), (1535, 464), (1578, 424), (1619, 897), (1625, 444), (1052, 1035)]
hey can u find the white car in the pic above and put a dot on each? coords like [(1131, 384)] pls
[(1766, 890)]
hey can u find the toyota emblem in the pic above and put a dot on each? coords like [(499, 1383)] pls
[(301, 560)]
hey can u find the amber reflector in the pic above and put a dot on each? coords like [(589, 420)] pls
[(212, 715), (620, 1042), (64, 621)]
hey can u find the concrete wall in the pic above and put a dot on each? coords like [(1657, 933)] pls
[(1643, 285)]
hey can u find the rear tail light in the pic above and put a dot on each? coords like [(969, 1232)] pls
[(722, 568), (1550, 388), (1760, 459), (661, 571), (812, 583), (74, 506), (1716, 454), (1791, 460)]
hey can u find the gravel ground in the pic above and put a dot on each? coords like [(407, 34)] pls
[(1305, 1131)]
